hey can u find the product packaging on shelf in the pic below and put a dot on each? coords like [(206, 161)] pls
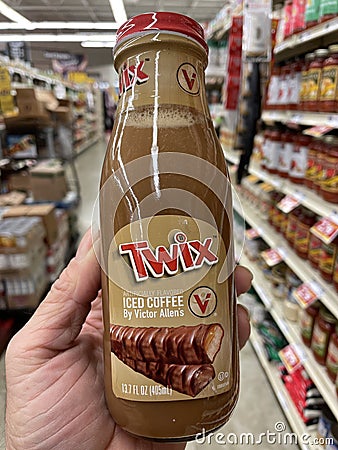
[(48, 181)]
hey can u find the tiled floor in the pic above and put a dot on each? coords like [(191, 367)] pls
[(257, 411)]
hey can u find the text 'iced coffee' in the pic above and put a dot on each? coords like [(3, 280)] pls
[(170, 338)]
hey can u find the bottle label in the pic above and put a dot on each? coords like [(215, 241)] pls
[(170, 310), (273, 90), (329, 82), (306, 325), (313, 83), (298, 162), (312, 11), (302, 237), (332, 357), (319, 341), (328, 7), (142, 78), (326, 258)]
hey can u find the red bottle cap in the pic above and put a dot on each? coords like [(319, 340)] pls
[(161, 21)]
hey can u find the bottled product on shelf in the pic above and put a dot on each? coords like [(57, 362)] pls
[(300, 15), (311, 161), (308, 83)]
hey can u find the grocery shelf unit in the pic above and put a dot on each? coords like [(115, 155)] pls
[(319, 36), (92, 130), (322, 34), (281, 393), (290, 331)]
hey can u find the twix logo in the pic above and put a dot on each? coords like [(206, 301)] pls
[(189, 255), (131, 75)]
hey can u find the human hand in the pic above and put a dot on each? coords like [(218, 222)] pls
[(54, 368)]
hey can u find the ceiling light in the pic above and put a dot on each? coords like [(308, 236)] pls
[(94, 44), (57, 37), (59, 26), (8, 12), (119, 11)]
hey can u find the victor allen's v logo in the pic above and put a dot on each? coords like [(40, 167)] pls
[(203, 304), (190, 81)]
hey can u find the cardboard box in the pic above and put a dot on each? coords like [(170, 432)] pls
[(63, 113), (48, 182), (19, 181), (13, 198), (34, 102), (45, 212)]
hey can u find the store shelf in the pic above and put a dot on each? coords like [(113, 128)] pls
[(281, 393), (322, 34), (85, 146), (231, 155), (292, 334), (301, 117), (301, 268), (307, 198)]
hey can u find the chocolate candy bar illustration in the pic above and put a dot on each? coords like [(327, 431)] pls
[(186, 379), (182, 345)]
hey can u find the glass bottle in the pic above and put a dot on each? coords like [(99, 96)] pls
[(167, 251)]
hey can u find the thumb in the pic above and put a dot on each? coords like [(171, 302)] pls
[(59, 318)]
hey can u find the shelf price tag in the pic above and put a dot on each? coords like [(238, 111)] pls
[(272, 257), (318, 130), (291, 357), (288, 204), (307, 293), (326, 230), (252, 234)]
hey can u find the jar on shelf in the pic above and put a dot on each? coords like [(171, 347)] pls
[(324, 327), (275, 214), (314, 79), (304, 82), (335, 272), (327, 259), (272, 96), (329, 179), (285, 79), (298, 15), (278, 280), (305, 221), (291, 309), (292, 225), (266, 148), (312, 13), (328, 98), (288, 19), (307, 321), (295, 83), (315, 245), (322, 148), (299, 158), (312, 161), (275, 143), (328, 10), (285, 153), (332, 356)]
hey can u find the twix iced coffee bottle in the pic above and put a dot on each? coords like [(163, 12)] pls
[(171, 352)]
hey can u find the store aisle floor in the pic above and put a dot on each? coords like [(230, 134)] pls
[(258, 410)]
